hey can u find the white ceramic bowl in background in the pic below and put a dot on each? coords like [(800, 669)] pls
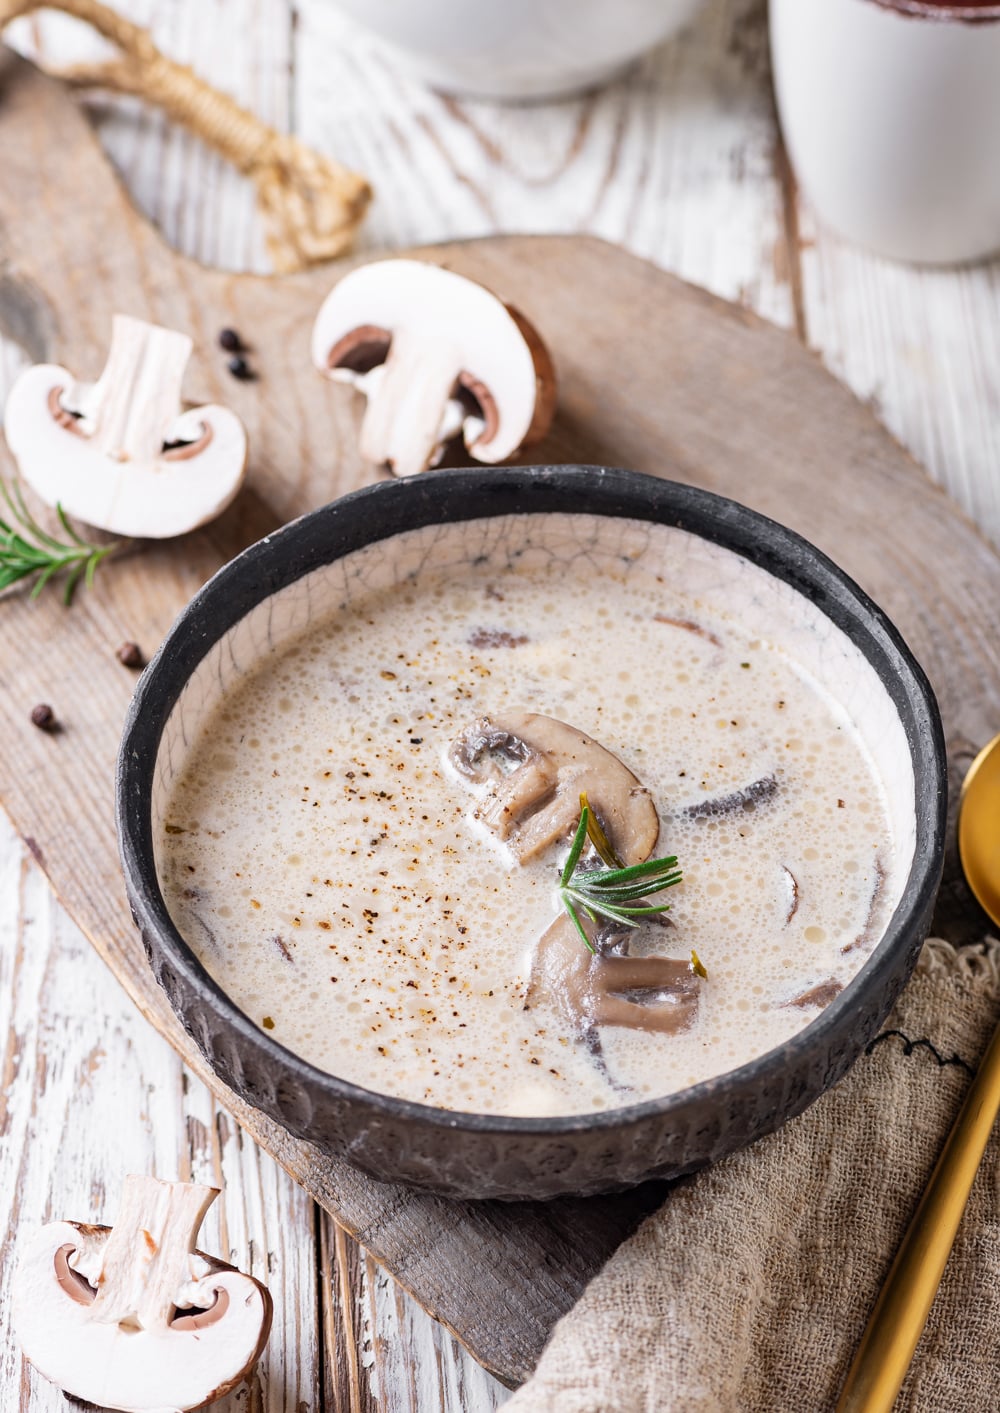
[(890, 111), (517, 49)]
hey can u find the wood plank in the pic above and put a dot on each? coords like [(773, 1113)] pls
[(383, 1352), (893, 333), (655, 405), (76, 1059), (639, 160), (425, 1242), (206, 210), (702, 157)]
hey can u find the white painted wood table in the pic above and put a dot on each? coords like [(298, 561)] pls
[(680, 162)]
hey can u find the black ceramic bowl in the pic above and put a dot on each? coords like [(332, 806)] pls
[(470, 1155)]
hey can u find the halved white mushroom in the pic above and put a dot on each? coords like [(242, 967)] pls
[(122, 453), (435, 354), (533, 770), (131, 1317)]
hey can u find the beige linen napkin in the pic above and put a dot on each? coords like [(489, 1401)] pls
[(748, 1291)]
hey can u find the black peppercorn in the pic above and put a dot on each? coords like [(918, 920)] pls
[(240, 368), (130, 655), (230, 340), (43, 717)]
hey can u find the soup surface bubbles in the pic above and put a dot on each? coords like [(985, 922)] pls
[(330, 866)]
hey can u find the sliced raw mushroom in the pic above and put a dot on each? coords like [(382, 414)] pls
[(133, 1317), (122, 453), (653, 993), (534, 768), (436, 355)]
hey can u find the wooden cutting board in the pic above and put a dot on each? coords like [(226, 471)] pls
[(654, 375)]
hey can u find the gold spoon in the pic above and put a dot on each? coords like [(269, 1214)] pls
[(898, 1320)]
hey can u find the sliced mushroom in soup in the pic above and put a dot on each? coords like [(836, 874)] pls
[(398, 807)]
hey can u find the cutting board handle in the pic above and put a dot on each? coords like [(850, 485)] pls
[(312, 205)]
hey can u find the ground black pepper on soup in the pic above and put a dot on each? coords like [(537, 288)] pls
[(363, 838)]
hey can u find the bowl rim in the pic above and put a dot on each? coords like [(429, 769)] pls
[(281, 558)]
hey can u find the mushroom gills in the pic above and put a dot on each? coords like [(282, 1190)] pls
[(502, 748), (534, 769), (643, 993), (358, 352)]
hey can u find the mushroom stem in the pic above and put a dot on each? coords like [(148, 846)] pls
[(96, 1308), (136, 401), (409, 400), (123, 453), (424, 344), (146, 1259)]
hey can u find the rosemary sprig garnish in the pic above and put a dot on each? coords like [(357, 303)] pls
[(31, 550), (612, 893)]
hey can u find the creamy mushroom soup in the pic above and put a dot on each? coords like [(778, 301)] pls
[(369, 790)]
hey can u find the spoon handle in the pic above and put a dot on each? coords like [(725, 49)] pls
[(897, 1322)]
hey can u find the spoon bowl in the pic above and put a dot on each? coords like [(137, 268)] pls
[(979, 829)]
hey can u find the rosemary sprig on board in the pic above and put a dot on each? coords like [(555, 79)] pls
[(615, 894), (26, 549)]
